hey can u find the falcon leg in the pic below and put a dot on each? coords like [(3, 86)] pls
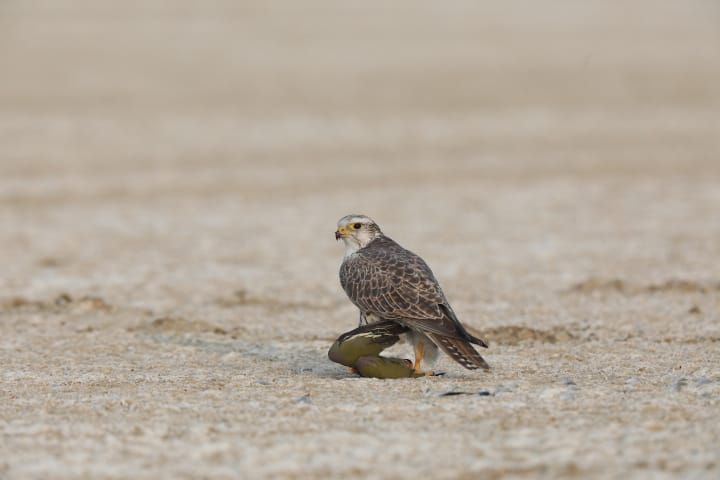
[(419, 350)]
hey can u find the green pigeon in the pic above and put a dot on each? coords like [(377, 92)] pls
[(360, 350)]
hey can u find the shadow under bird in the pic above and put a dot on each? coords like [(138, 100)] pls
[(387, 282)]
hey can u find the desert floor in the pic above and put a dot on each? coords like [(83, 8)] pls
[(170, 179)]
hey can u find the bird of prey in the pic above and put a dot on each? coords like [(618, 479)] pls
[(387, 282)]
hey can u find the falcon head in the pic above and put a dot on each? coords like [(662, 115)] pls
[(356, 231)]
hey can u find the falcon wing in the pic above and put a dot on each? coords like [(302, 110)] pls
[(394, 283)]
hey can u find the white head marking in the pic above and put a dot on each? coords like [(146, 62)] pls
[(356, 232)]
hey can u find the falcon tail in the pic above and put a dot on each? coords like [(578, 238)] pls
[(472, 339), (477, 341), (461, 351)]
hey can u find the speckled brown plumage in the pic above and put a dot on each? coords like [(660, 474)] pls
[(388, 281)]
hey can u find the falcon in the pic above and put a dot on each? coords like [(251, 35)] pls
[(387, 282)]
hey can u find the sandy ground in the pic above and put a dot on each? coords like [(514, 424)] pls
[(171, 175)]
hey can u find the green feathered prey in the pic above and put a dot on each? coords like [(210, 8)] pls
[(360, 349)]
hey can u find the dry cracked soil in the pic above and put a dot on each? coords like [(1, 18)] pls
[(170, 178)]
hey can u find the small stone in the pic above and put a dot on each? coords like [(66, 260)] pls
[(63, 299), (452, 394), (452, 391)]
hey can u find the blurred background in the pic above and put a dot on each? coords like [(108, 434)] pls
[(224, 139), (171, 175)]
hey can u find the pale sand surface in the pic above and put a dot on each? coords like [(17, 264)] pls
[(171, 175)]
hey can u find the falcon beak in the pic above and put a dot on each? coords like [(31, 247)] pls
[(341, 233)]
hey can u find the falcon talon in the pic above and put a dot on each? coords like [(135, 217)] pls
[(387, 282)]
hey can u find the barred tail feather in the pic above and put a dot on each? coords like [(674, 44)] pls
[(461, 351), (477, 341)]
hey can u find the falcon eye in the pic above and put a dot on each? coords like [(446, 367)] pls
[(357, 226)]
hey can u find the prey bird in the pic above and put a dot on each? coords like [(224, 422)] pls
[(387, 282)]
